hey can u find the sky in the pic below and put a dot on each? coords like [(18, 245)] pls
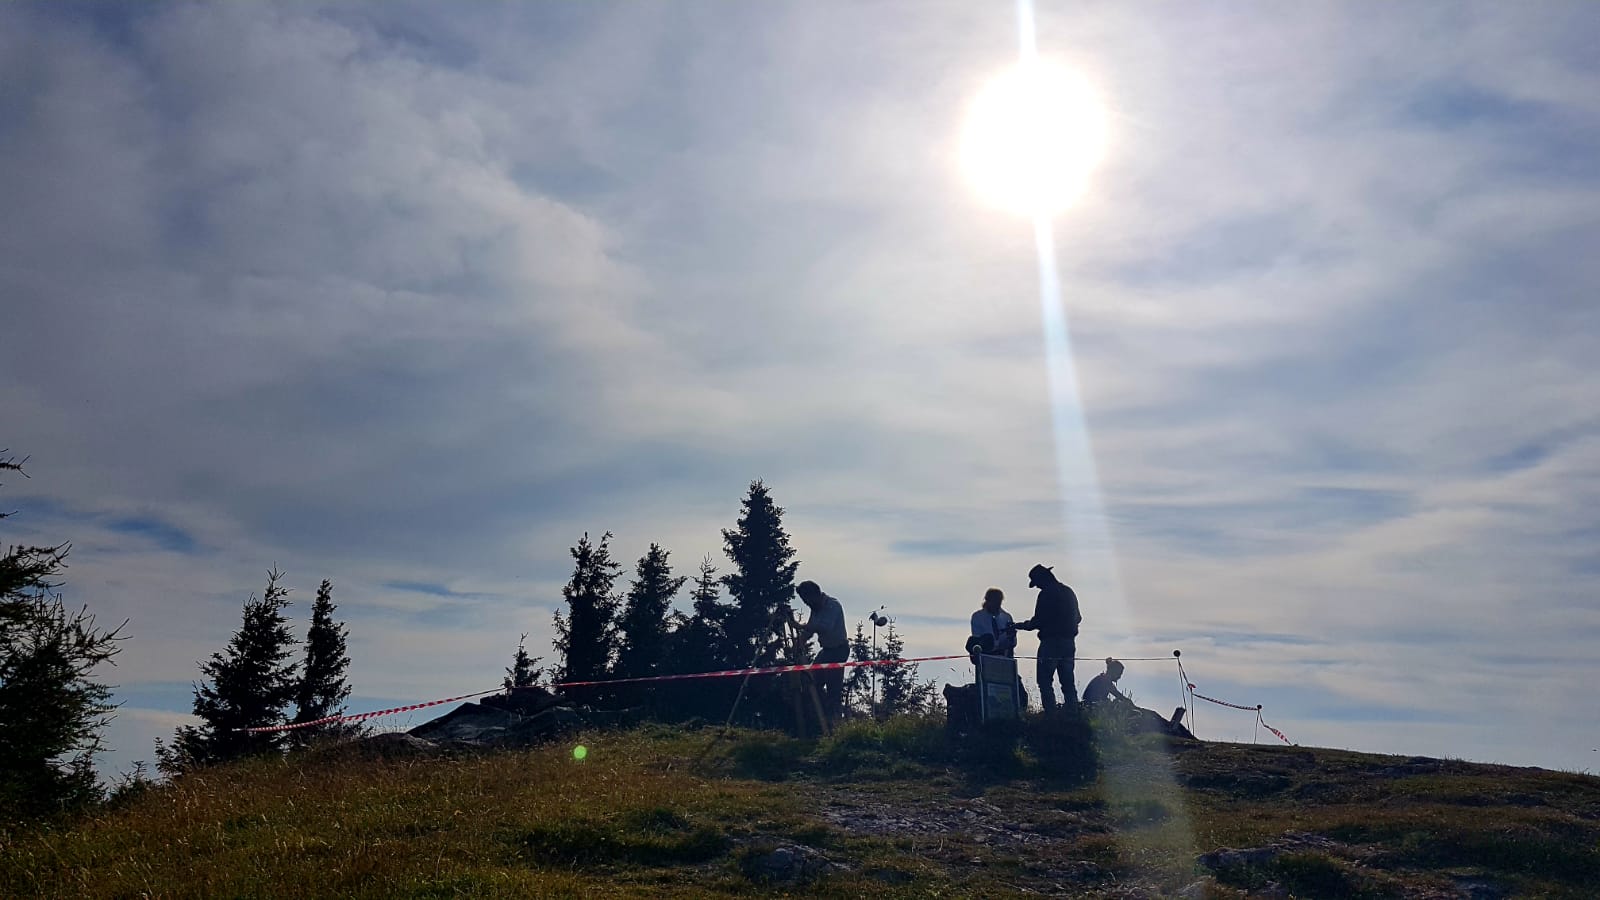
[(412, 296)]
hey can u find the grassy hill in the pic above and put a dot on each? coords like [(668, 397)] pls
[(891, 810)]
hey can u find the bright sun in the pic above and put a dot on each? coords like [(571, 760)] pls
[(1032, 137)]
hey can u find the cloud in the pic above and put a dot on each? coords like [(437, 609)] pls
[(410, 300)]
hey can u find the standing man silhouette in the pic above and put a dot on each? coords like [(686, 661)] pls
[(1056, 618)]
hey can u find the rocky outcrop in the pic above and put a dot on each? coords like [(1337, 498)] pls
[(520, 718), (788, 864)]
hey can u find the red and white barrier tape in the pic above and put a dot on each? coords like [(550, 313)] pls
[(361, 717), (1281, 735), (726, 673), (1256, 708), (1101, 659), (768, 670)]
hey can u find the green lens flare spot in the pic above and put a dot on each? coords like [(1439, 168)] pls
[(580, 751)]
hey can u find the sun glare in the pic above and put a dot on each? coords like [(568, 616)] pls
[(1032, 138)]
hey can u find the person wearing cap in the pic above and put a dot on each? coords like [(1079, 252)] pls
[(1103, 687), (1056, 618), (995, 623), (827, 623)]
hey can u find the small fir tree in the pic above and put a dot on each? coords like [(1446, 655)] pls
[(647, 616), (858, 684), (250, 685), (699, 643), (900, 691), (586, 636), (524, 670), (762, 579), (323, 689)]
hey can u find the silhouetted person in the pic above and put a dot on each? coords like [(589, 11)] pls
[(1102, 695), (996, 623), (827, 623), (1056, 618), (1103, 687)]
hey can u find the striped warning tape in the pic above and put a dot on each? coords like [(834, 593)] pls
[(1101, 659), (1256, 708), (768, 670), (728, 673), (725, 673), (362, 717), (1275, 731)]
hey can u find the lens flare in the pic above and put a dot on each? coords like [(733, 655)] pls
[(580, 752)]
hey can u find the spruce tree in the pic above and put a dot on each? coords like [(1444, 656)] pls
[(51, 706), (901, 693), (701, 642), (586, 637), (323, 688), (251, 685), (763, 574), (858, 684), (523, 671), (646, 616)]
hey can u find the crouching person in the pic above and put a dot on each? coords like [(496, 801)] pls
[(1102, 697)]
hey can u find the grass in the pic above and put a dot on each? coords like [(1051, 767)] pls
[(899, 808)]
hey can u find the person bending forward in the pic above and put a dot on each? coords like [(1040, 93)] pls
[(827, 623)]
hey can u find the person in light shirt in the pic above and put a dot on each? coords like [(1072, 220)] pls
[(827, 623), (996, 623)]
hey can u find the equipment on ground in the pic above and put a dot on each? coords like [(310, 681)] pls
[(878, 621), (799, 683), (999, 689)]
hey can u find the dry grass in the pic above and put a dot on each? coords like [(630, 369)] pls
[(535, 823), (905, 812)]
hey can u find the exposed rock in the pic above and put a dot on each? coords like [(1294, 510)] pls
[(1196, 890), (525, 717), (788, 864), (527, 701)]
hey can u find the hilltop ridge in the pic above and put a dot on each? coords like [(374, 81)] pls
[(892, 809)]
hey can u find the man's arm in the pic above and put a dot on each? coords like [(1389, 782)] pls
[(786, 613), (1039, 612)]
